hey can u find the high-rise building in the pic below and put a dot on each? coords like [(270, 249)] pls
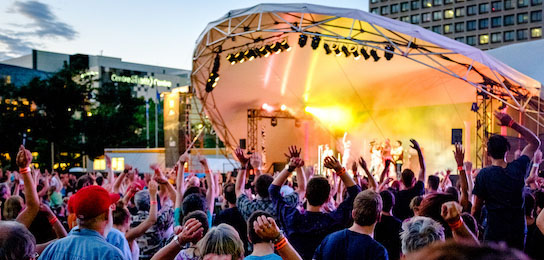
[(482, 24)]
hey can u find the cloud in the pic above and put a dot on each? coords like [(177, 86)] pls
[(45, 23), (13, 46)]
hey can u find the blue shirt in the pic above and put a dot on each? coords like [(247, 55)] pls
[(264, 257), (306, 230), (81, 244), (346, 244), (118, 239)]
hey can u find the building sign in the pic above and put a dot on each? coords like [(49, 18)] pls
[(147, 81)]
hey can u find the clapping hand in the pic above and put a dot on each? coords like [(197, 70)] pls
[(241, 157), (293, 152), (332, 163), (459, 154)]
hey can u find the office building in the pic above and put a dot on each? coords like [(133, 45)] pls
[(482, 24)]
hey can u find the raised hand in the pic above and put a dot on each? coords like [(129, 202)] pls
[(363, 164), (202, 160), (354, 168), (293, 152), (192, 232), (415, 145), (153, 187), (332, 163), (468, 167), (128, 167), (537, 157), (451, 211), (504, 119), (459, 154), (24, 157), (266, 228), (241, 157), (183, 158), (256, 161)]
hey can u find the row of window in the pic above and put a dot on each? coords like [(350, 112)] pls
[(498, 37), (507, 20), (482, 8)]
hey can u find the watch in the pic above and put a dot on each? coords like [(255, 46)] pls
[(177, 241), (278, 238)]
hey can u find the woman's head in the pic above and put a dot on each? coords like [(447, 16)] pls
[(419, 232), (221, 240), (13, 206), (201, 217)]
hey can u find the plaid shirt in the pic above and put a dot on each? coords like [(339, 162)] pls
[(247, 206)]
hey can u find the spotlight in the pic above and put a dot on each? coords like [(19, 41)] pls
[(240, 57), (345, 51), (355, 53), (364, 53), (250, 54), (216, 63), (389, 55), (302, 40), (336, 49), (285, 46), (315, 42), (283, 107), (374, 55), (231, 59), (276, 47), (212, 81), (327, 48), (267, 107), (265, 51), (274, 121)]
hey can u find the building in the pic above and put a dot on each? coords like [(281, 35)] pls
[(20, 76), (482, 24), (147, 79)]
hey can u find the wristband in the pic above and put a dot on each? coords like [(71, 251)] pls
[(511, 123), (341, 172), (291, 169), (537, 165), (460, 168), (153, 203), (53, 220), (24, 170), (457, 224), (281, 244)]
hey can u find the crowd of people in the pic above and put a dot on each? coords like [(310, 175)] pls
[(489, 213)]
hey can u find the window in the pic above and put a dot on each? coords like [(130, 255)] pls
[(536, 2), (373, 1), (459, 12), (483, 39), (523, 34), (523, 3), (496, 6), (509, 4), (459, 27), (471, 40), (384, 10), (437, 15), (404, 6), (426, 4), (447, 2), (484, 8), (405, 19), (483, 23), (471, 25), (415, 5), (448, 14), (472, 10), (496, 21), (117, 163), (437, 2), (436, 29), (374, 10), (425, 17), (394, 8), (496, 37), (414, 18), (536, 32), (536, 16), (508, 20), (448, 28), (523, 18), (460, 39), (508, 36), (99, 164)]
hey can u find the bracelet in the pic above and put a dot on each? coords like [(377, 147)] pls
[(459, 168), (281, 244), (153, 203), (53, 220), (24, 170), (537, 165), (457, 224), (341, 172), (511, 123)]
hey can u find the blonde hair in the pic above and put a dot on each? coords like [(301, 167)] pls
[(221, 240)]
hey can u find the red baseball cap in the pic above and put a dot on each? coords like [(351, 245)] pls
[(92, 201)]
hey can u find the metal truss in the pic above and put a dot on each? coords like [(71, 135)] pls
[(483, 127), (253, 118)]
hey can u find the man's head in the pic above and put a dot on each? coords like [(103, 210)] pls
[(229, 192), (433, 182), (253, 237), (407, 178), (201, 217), (415, 203), (16, 242), (92, 206), (262, 183), (317, 191), (142, 200), (121, 215), (418, 232), (192, 203), (367, 208), (388, 200), (497, 147)]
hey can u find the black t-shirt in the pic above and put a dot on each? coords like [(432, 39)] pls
[(346, 244), (233, 217), (403, 198), (535, 240), (502, 192), (387, 233)]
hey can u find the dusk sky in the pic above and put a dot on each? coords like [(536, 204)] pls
[(161, 32)]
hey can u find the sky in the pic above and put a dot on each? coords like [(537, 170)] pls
[(159, 32)]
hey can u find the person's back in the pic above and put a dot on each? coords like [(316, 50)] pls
[(117, 239), (389, 227), (232, 215), (403, 198)]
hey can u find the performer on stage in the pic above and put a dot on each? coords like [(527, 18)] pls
[(398, 157), (347, 150), (375, 157), (386, 155)]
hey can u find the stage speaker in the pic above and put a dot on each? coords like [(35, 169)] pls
[(456, 136), (174, 136), (243, 143)]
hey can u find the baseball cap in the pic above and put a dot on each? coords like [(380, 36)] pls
[(92, 201)]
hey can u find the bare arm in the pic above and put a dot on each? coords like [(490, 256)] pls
[(24, 158), (139, 230), (301, 181), (371, 181), (60, 232), (333, 163), (191, 233), (451, 214), (180, 182), (267, 229), (118, 182), (477, 207), (415, 146), (540, 221), (284, 174), (533, 143), (241, 178), (210, 192)]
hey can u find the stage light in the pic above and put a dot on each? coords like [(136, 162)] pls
[(315, 42), (212, 81), (283, 107), (327, 48), (285, 46), (268, 108), (336, 49), (302, 40), (374, 55), (276, 47), (355, 53), (273, 122), (389, 55), (345, 51), (231, 58), (337, 117), (365, 54), (250, 54), (474, 107), (216, 63), (240, 57)]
